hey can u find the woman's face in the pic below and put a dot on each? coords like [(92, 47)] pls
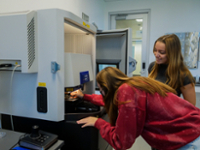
[(160, 53), (101, 90)]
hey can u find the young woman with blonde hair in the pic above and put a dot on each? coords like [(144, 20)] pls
[(142, 106), (169, 67)]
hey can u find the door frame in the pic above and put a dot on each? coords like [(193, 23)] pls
[(145, 45)]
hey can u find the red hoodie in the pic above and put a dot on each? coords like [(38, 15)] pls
[(166, 123)]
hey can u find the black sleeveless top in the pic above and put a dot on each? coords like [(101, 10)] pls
[(162, 77)]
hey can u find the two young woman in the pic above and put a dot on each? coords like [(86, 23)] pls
[(142, 106)]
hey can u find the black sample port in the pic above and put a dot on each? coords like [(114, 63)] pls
[(5, 65)]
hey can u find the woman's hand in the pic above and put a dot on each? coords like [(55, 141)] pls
[(77, 93), (89, 121)]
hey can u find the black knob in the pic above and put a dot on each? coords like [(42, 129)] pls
[(35, 132)]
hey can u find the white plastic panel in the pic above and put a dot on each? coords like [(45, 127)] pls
[(74, 65), (19, 92), (114, 46), (18, 39)]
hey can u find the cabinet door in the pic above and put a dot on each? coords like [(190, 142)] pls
[(113, 48)]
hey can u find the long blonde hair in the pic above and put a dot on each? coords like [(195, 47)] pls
[(110, 79), (176, 70)]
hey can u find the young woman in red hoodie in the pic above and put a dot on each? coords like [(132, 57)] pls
[(142, 106)]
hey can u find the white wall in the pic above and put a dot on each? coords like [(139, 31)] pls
[(93, 8), (166, 16)]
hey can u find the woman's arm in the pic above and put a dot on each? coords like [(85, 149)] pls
[(189, 94), (93, 98), (130, 121)]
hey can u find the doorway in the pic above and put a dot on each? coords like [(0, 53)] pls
[(138, 22)]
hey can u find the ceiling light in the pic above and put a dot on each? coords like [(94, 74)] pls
[(139, 20)]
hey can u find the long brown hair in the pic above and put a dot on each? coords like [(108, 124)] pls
[(110, 79), (176, 70)]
